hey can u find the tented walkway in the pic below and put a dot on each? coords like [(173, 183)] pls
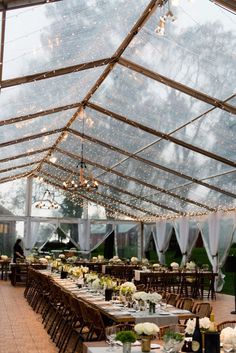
[(21, 330)]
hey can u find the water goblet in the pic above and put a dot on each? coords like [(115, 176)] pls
[(111, 335)]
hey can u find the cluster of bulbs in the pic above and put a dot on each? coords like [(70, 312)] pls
[(160, 30), (47, 202), (83, 183)]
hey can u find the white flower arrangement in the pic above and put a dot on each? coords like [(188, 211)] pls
[(140, 296), (62, 256), (146, 328), (84, 269), (134, 260), (76, 271), (174, 265), (190, 265), (90, 277), (228, 335), (43, 260), (204, 325), (100, 258), (154, 297), (145, 261), (48, 257), (4, 257), (127, 287), (156, 265), (94, 258), (96, 284), (115, 259)]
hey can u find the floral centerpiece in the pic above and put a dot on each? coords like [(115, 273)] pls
[(190, 266), (94, 259), (173, 341), (127, 288), (126, 337), (145, 261), (100, 258), (228, 336), (174, 265), (115, 259), (156, 266), (146, 331), (134, 260), (43, 260), (90, 277), (204, 325), (4, 257)]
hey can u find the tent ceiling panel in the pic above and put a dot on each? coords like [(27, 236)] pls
[(152, 175), (45, 94), (214, 132), (201, 194), (185, 53), (92, 151), (59, 34), (112, 131), (226, 181), (12, 173), (72, 163), (160, 107), (37, 125), (183, 160), (27, 147), (21, 161), (174, 203)]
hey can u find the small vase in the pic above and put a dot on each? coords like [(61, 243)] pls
[(146, 344), (127, 347), (152, 308)]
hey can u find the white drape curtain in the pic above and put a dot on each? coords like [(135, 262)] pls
[(162, 237), (186, 232), (217, 234), (84, 234)]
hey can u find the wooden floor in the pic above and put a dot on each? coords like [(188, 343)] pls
[(21, 330)]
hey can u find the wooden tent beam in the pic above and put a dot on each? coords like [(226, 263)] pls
[(54, 73), (28, 154), (141, 182), (18, 167), (18, 4), (30, 138), (162, 135), (40, 113), (179, 86), (151, 163)]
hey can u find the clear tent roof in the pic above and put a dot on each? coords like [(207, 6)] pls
[(155, 113)]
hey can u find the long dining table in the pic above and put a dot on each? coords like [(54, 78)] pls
[(116, 311)]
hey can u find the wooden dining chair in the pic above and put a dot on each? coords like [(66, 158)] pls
[(224, 324)]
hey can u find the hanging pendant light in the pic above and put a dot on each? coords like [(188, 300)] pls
[(82, 182), (47, 201)]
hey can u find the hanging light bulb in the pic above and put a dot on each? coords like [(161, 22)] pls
[(160, 30)]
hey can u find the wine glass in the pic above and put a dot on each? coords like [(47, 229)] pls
[(111, 335)]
